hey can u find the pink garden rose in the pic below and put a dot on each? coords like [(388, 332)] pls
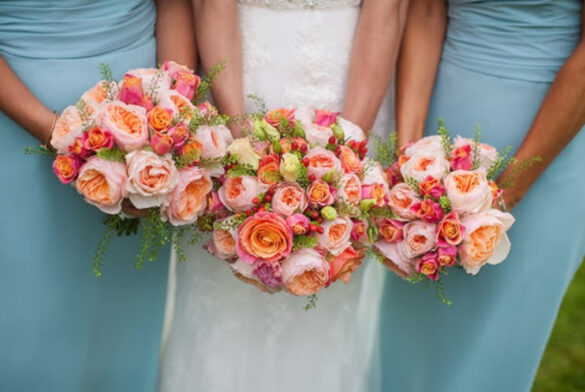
[(397, 260), (422, 165), (343, 265), (351, 131), (127, 123), (431, 145), (468, 191), (97, 138), (173, 68), (401, 198), (446, 254), (419, 238), (318, 135), (161, 143), (431, 187), (390, 229), (188, 199), (238, 193), (429, 266), (269, 274), (485, 239), (214, 140), (132, 92), (151, 178), (264, 236), (336, 235), (103, 184), (325, 118), (298, 223), (321, 162), (186, 83), (304, 272), (428, 210), (288, 199), (462, 159)]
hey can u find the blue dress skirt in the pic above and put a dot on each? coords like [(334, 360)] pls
[(498, 63), (62, 329)]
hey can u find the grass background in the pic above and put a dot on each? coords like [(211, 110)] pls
[(563, 365)]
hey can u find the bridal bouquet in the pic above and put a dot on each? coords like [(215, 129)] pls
[(286, 215), (440, 211), (141, 142)]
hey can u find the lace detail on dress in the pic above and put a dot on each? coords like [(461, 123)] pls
[(297, 4)]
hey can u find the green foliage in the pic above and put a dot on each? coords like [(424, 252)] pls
[(207, 82), (241, 169), (509, 179), (446, 140), (107, 75), (303, 241), (303, 177), (260, 104), (154, 87), (231, 223), (445, 204), (115, 224), (155, 234), (415, 278), (186, 160), (112, 154), (502, 161), (385, 151), (440, 293), (346, 209), (412, 183), (39, 150), (312, 302), (373, 253), (84, 114), (476, 146)]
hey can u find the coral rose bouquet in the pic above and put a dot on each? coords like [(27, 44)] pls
[(286, 215), (142, 143), (443, 208)]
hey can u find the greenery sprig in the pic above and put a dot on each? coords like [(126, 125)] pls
[(312, 302), (39, 150), (386, 151), (241, 169), (503, 160), (446, 139), (207, 82), (476, 146), (112, 154), (519, 167), (303, 241)]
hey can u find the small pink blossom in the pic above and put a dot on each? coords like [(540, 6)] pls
[(428, 210), (299, 223), (462, 158), (446, 254), (325, 118), (429, 266)]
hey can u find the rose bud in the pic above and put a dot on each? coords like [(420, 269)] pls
[(329, 213), (299, 223), (161, 143)]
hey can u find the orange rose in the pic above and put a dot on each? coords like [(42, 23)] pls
[(188, 199), (390, 229), (264, 236), (127, 123), (349, 160), (159, 118), (319, 194), (304, 272), (103, 184), (350, 189), (345, 264), (268, 169)]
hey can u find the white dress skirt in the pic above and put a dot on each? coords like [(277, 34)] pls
[(224, 335)]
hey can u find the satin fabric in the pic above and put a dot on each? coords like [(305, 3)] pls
[(494, 334), (62, 329)]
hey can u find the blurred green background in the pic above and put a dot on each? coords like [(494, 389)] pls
[(563, 366)]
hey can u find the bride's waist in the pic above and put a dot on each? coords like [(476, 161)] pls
[(301, 4)]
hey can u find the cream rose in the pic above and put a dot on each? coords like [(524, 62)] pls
[(468, 191), (188, 199), (336, 235), (289, 166), (304, 272), (485, 239), (103, 184), (243, 150), (430, 145), (317, 134), (150, 178), (238, 193), (422, 165), (351, 131), (214, 140), (419, 238), (128, 124)]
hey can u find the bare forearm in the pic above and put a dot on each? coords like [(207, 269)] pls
[(175, 34), (561, 116), (419, 58), (373, 56), (20, 104), (218, 38)]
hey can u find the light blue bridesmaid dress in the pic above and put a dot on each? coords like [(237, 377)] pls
[(498, 62), (62, 329)]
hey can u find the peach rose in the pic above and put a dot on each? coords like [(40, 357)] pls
[(374, 174), (237, 193), (274, 117), (336, 235), (468, 191), (485, 240), (401, 199), (215, 140), (487, 154), (150, 178), (288, 199), (430, 145), (349, 189), (264, 236), (103, 184), (304, 272), (225, 240), (390, 229), (159, 118), (351, 131), (97, 95), (350, 162), (422, 165), (178, 104), (319, 193), (68, 127), (321, 161), (155, 82), (419, 238), (268, 169), (345, 264), (188, 199), (97, 138), (396, 258), (66, 168), (127, 123), (317, 134)]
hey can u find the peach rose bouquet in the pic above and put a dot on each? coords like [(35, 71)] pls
[(147, 142), (443, 208), (291, 199)]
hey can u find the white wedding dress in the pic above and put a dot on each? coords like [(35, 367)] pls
[(224, 335)]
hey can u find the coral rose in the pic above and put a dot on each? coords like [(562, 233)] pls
[(66, 168), (450, 229), (97, 138), (150, 178), (343, 265), (238, 193), (288, 199), (304, 272), (336, 235), (320, 194), (188, 199), (429, 266), (264, 236), (103, 184)]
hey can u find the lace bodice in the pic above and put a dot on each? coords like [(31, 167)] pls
[(297, 4)]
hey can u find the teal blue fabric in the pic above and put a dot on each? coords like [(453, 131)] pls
[(61, 329), (499, 59)]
